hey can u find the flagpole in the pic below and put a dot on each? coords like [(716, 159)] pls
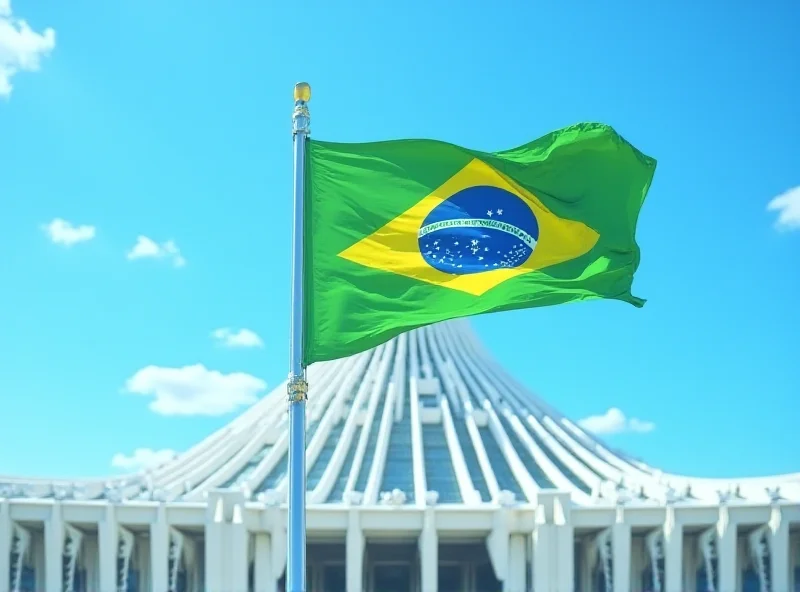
[(297, 386)]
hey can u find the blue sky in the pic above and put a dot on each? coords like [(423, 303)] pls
[(169, 122)]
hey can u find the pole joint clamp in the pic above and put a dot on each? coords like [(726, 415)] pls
[(297, 389)]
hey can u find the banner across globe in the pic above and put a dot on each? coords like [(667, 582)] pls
[(477, 230)]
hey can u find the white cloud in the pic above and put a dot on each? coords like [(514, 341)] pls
[(241, 338), (65, 233), (788, 207), (614, 421), (195, 390), (21, 48), (142, 459), (148, 248)]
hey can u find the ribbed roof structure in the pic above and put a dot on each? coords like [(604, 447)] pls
[(428, 415)]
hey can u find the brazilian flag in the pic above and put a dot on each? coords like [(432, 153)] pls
[(406, 233)]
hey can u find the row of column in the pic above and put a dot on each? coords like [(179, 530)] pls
[(777, 539), (229, 549), (226, 564), (115, 545), (553, 553)]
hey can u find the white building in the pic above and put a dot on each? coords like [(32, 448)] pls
[(429, 469)]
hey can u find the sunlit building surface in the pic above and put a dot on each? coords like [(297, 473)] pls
[(429, 469)]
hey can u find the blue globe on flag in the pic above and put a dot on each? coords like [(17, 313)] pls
[(477, 230)]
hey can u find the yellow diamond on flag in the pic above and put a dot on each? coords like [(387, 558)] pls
[(476, 231)]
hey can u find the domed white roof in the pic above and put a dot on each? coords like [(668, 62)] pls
[(428, 418)]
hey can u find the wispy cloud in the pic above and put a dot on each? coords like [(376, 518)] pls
[(147, 248), (228, 337), (21, 48), (142, 459), (788, 207), (66, 233), (195, 390), (614, 421)]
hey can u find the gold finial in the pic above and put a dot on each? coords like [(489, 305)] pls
[(302, 92)]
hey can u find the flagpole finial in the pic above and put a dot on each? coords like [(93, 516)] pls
[(302, 92), (301, 115)]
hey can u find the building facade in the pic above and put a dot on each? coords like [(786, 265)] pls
[(429, 470)]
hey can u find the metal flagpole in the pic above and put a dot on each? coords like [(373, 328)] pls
[(297, 386)]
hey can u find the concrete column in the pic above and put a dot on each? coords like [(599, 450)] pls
[(265, 580), (235, 551), (565, 579), (429, 553), (543, 565), (726, 551), (553, 561), (673, 552), (279, 542), (5, 545), (54, 550), (515, 582), (354, 552), (497, 544), (621, 552), (159, 551), (214, 542), (779, 549), (543, 560), (108, 545), (565, 544), (226, 542)]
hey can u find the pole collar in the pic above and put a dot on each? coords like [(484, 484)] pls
[(297, 389)]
